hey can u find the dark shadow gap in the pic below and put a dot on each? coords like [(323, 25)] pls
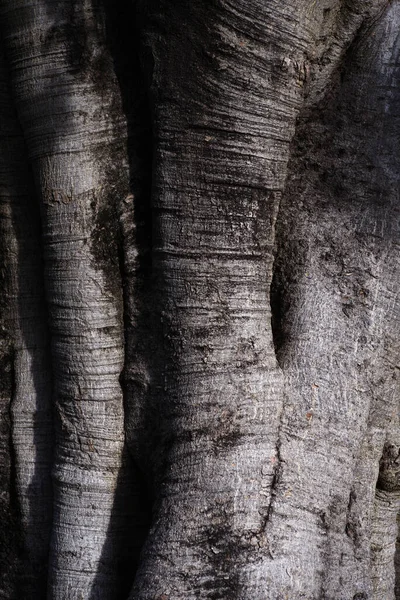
[(134, 248), (277, 312)]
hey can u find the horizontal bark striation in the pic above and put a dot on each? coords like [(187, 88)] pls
[(228, 82), (69, 106), (337, 333), (31, 410), (263, 473), (10, 539)]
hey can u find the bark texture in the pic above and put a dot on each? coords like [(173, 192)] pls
[(337, 332), (9, 532), (28, 375), (246, 457), (217, 213), (69, 108)]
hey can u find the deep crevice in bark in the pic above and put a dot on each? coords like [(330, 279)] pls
[(26, 222), (274, 486), (133, 230), (277, 313), (11, 534), (389, 469)]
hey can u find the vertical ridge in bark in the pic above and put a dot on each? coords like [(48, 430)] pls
[(224, 117), (69, 106), (10, 540)]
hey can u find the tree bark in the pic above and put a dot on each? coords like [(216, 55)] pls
[(218, 192), (30, 401), (338, 332), (70, 111), (234, 454)]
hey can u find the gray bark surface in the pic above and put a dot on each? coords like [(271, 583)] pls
[(9, 530), (217, 215), (338, 328), (76, 146), (253, 448), (29, 404)]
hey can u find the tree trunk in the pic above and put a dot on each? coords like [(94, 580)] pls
[(69, 108), (29, 401), (338, 330), (218, 207)]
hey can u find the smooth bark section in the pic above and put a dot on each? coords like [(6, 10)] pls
[(70, 110), (335, 286)]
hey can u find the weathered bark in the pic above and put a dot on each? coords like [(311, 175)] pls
[(9, 530), (338, 332), (69, 107), (10, 547), (218, 187), (26, 320), (231, 470)]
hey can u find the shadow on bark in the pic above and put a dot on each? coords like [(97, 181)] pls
[(10, 532), (134, 241), (35, 338), (129, 525), (29, 419)]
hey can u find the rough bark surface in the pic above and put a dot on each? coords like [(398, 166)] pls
[(217, 215), (10, 547), (68, 105), (29, 408), (337, 332)]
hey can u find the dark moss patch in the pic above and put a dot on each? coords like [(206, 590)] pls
[(105, 245), (223, 552)]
